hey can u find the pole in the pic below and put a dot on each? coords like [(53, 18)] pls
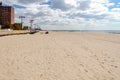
[(21, 17), (31, 22)]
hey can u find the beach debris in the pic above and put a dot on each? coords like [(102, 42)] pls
[(46, 32)]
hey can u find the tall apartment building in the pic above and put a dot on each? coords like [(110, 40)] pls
[(6, 14)]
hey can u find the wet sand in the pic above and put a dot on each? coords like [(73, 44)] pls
[(60, 56)]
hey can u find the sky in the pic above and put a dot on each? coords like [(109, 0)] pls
[(68, 14)]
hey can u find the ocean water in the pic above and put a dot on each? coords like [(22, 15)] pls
[(106, 31)]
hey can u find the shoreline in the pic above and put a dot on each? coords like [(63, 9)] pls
[(20, 32)]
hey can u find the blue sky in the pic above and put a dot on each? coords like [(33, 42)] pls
[(69, 14), (18, 6), (115, 1), (49, 2)]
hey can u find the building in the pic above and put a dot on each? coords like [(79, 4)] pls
[(6, 15)]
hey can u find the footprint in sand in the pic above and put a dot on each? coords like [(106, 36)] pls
[(85, 70), (114, 66), (41, 75), (102, 62), (81, 65)]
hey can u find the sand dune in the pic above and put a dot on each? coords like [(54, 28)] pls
[(60, 56)]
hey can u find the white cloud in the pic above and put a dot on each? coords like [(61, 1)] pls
[(29, 1), (83, 5), (116, 10), (114, 15), (60, 4), (71, 2), (9, 1), (98, 7), (110, 4), (100, 1), (68, 14)]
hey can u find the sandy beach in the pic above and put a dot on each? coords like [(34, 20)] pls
[(60, 56), (12, 32)]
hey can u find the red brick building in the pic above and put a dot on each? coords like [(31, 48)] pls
[(6, 14)]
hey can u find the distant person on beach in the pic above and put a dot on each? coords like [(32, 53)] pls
[(46, 32)]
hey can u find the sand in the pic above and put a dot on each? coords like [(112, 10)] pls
[(60, 56), (12, 32)]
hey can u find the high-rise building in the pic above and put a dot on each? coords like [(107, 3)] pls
[(6, 14)]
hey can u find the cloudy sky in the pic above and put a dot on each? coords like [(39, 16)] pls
[(69, 14)]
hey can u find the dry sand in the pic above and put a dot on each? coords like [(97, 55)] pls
[(12, 32), (60, 56)]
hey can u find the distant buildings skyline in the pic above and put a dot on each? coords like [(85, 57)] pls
[(6, 14)]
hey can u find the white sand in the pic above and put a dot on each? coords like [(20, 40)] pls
[(8, 32), (60, 56)]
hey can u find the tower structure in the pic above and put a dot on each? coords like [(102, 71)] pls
[(6, 14)]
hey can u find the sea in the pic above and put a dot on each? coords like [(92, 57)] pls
[(105, 31)]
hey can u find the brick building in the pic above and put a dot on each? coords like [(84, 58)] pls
[(6, 14)]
